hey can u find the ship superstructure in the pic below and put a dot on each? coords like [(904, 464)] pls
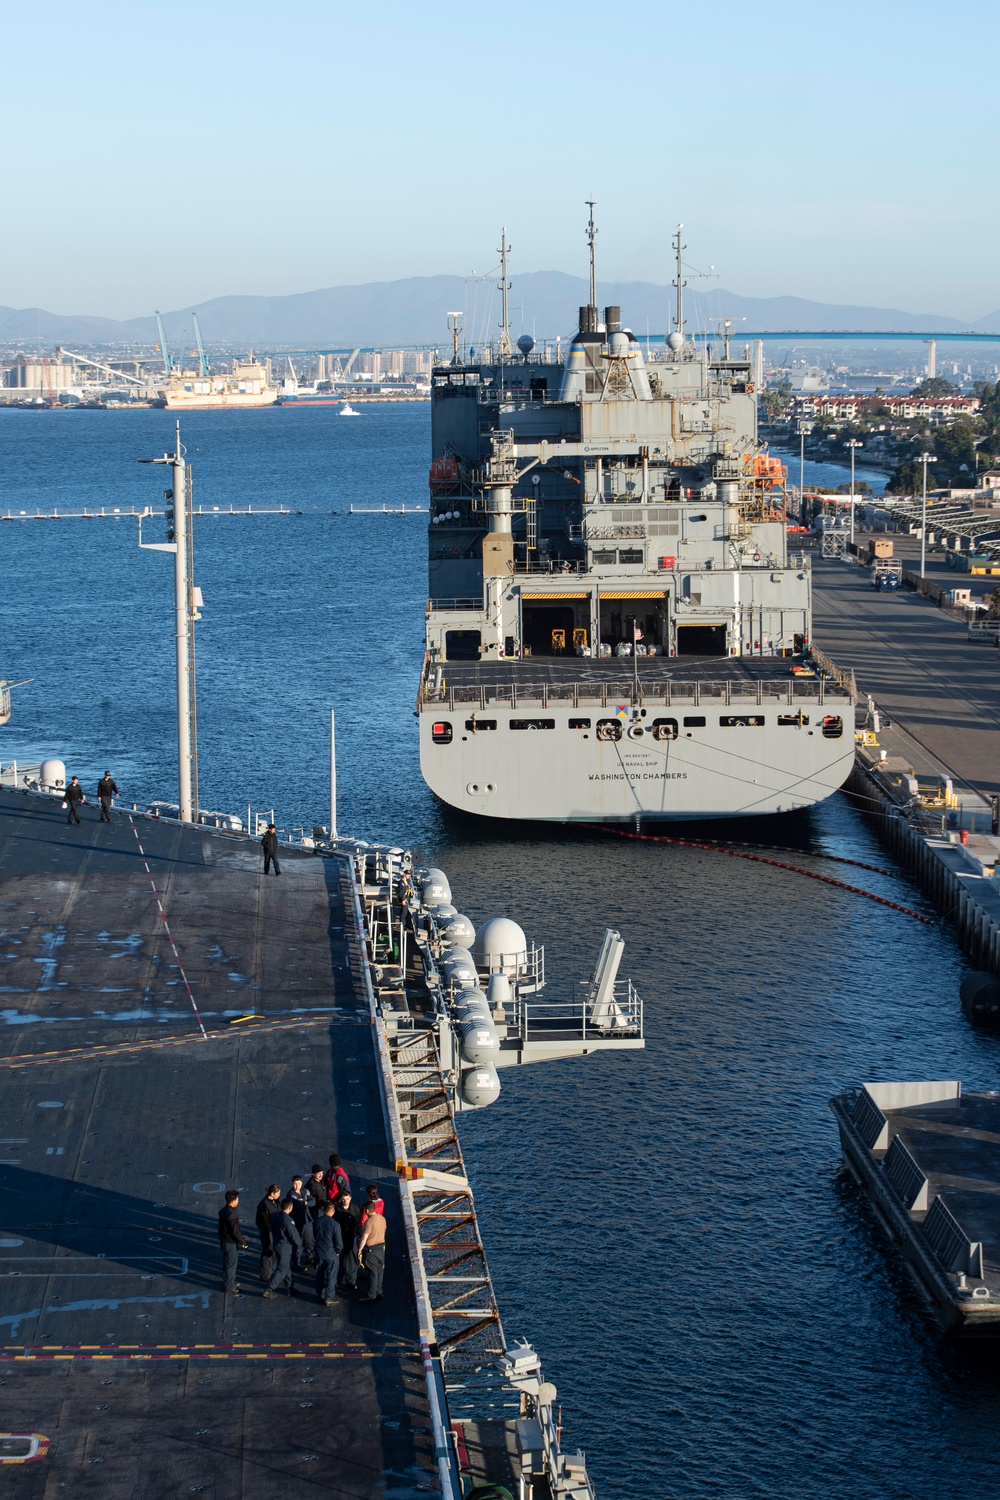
[(616, 629)]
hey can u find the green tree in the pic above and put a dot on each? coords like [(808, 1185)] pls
[(935, 385), (955, 448), (907, 479)]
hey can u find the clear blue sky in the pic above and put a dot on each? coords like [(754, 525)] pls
[(161, 154)]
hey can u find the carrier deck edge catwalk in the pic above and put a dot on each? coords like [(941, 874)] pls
[(126, 1369)]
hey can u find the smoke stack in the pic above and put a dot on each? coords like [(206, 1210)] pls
[(613, 320), (588, 319)]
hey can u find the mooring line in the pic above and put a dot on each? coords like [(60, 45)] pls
[(778, 864)]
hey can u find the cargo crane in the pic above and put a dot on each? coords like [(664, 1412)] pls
[(168, 363), (202, 361), (80, 359), (346, 369)]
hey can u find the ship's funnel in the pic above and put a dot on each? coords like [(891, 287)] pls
[(612, 319), (588, 319)]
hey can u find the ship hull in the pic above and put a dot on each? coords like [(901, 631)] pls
[(567, 775), (211, 400)]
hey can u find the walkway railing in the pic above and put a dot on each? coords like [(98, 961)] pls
[(614, 693)]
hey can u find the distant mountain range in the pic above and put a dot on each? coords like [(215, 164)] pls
[(414, 311)]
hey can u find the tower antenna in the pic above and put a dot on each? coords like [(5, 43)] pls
[(505, 348), (591, 237)]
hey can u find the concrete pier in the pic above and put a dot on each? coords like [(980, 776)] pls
[(918, 664), (929, 773)]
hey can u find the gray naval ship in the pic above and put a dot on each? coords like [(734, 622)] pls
[(616, 630)]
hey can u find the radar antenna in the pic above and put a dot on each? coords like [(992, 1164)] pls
[(505, 349), (591, 238)]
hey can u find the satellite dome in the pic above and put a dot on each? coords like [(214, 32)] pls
[(675, 341), (501, 945), (526, 343), (52, 775)]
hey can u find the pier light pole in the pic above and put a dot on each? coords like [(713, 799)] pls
[(186, 602), (804, 429), (925, 459), (853, 444)]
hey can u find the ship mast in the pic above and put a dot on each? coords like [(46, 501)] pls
[(680, 283), (591, 237), (505, 348)]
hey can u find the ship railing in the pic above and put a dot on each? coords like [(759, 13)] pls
[(573, 1019), (514, 395), (844, 679), (446, 604), (480, 499), (552, 567), (525, 970), (614, 692)]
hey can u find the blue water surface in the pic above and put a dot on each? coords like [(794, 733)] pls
[(671, 1228)]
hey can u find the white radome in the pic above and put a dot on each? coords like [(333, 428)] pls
[(52, 775), (501, 945)]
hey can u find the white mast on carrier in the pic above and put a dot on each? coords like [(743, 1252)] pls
[(187, 602)]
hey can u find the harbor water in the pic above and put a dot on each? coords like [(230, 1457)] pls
[(671, 1228)]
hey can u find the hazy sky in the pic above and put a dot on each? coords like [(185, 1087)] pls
[(159, 154)]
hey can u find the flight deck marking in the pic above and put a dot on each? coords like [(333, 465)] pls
[(237, 1352), (170, 936), (51, 1265), (117, 1049), (37, 1446)]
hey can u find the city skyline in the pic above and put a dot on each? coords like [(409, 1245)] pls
[(163, 159)]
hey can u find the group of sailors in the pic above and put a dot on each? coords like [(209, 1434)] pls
[(316, 1226)]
